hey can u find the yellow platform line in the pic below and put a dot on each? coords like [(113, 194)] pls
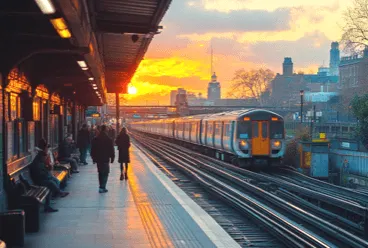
[(156, 232)]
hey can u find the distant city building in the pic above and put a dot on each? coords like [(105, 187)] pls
[(287, 67), (334, 59), (353, 76), (173, 94), (182, 102), (323, 71), (214, 89), (316, 97), (286, 88)]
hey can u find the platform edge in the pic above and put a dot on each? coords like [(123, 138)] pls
[(209, 226)]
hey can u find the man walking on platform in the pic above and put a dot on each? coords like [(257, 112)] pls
[(83, 142), (102, 153)]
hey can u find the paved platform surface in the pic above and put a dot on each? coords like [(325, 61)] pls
[(147, 210)]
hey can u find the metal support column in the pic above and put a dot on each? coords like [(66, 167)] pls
[(313, 121), (3, 167), (74, 120), (117, 112)]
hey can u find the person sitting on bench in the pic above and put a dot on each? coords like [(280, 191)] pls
[(65, 154), (42, 176)]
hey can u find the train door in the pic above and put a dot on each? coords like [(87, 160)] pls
[(260, 138)]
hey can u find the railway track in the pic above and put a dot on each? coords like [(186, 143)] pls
[(237, 190), (244, 231)]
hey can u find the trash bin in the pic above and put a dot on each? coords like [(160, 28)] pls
[(12, 227)]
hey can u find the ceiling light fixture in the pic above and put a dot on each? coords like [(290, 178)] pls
[(61, 27), (82, 63), (46, 6), (94, 85), (95, 88), (90, 78)]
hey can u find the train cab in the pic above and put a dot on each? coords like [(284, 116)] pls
[(260, 134)]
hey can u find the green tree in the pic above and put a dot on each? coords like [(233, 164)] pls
[(359, 105)]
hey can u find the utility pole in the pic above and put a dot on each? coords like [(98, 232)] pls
[(301, 105), (313, 121)]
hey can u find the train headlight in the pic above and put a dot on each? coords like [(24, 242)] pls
[(276, 144), (243, 144)]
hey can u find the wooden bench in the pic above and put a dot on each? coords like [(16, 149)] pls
[(24, 194), (61, 171)]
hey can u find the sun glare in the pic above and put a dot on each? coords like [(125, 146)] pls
[(132, 90)]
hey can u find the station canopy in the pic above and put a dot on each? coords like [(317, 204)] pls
[(124, 31), (109, 36)]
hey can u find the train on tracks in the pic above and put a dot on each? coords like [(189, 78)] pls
[(249, 137)]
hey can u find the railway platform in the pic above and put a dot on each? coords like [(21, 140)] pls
[(147, 210)]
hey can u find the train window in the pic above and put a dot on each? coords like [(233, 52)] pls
[(226, 130), (209, 128), (277, 130), (264, 129), (244, 130), (217, 128)]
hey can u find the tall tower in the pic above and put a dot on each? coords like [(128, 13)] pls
[(334, 59), (287, 67), (214, 89)]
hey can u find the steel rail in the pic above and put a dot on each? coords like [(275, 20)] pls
[(346, 192), (289, 232), (325, 226)]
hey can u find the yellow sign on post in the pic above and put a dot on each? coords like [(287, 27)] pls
[(307, 160), (322, 135)]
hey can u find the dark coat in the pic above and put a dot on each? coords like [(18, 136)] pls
[(123, 143), (65, 149), (39, 172), (102, 151), (84, 138)]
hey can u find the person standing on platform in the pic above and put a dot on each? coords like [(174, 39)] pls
[(102, 153), (123, 143), (83, 142)]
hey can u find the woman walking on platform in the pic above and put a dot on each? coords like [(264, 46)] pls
[(123, 143)]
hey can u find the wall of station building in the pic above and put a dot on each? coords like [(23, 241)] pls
[(27, 115)]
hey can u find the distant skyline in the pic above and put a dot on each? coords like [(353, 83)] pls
[(245, 34)]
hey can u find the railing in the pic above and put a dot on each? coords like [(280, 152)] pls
[(332, 130)]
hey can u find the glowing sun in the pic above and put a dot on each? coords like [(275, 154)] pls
[(132, 90)]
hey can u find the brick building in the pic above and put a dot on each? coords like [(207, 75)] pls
[(353, 77), (286, 87)]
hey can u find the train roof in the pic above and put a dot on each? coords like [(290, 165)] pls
[(229, 115), (237, 114)]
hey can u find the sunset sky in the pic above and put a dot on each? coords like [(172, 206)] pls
[(245, 34)]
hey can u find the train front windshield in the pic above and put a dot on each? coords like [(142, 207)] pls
[(277, 130), (244, 130)]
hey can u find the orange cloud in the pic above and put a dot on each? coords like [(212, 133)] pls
[(178, 67)]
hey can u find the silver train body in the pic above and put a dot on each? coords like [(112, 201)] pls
[(250, 136)]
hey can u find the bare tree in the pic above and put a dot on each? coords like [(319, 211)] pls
[(252, 84), (355, 30)]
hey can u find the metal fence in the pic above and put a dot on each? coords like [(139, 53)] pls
[(332, 130), (350, 165)]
